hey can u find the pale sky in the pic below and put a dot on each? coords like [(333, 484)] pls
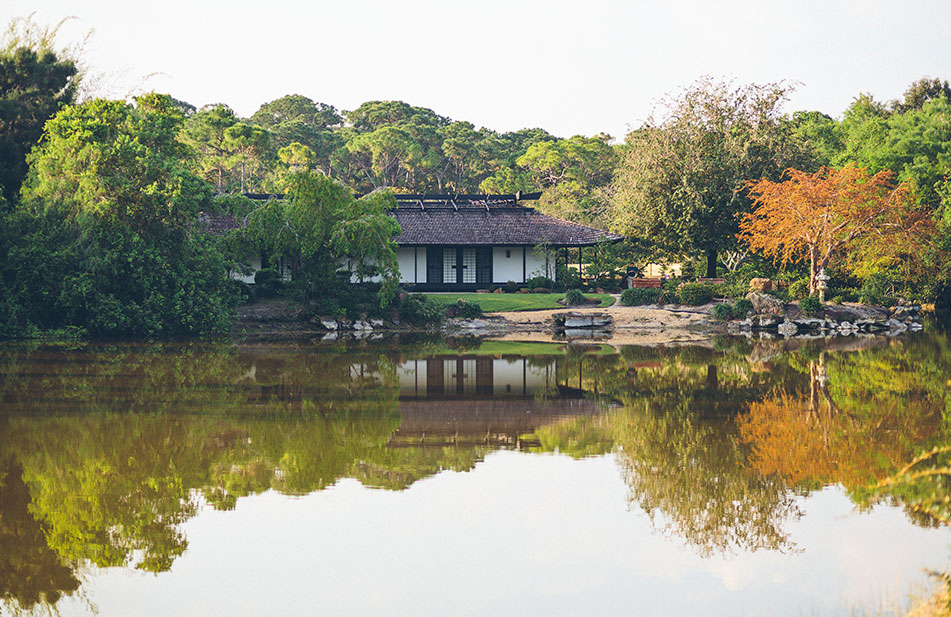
[(571, 67)]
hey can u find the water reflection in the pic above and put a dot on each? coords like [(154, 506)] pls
[(108, 449)]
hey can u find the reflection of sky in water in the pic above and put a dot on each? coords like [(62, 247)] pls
[(519, 535)]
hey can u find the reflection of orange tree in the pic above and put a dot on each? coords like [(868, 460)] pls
[(856, 430)]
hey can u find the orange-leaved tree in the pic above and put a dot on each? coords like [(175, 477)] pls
[(825, 214)]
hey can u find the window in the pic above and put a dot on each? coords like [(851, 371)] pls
[(508, 253), (469, 265)]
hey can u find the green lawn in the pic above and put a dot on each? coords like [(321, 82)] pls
[(492, 303)]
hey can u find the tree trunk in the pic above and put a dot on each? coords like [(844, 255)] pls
[(712, 263)]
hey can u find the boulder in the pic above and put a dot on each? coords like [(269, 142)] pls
[(787, 328), (759, 285), (376, 323), (765, 304), (329, 324)]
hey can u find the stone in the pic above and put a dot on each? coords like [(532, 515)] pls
[(765, 304), (329, 324), (376, 323), (760, 285), (330, 336), (809, 323), (578, 322), (894, 324), (787, 328), (497, 290), (361, 325)]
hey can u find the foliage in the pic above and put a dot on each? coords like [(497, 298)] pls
[(723, 311), (510, 287), (319, 226), (637, 296), (464, 309), (574, 297), (420, 310), (810, 305), (799, 289), (820, 216), (742, 308), (107, 235), (35, 83), (695, 294), (681, 179), (540, 282)]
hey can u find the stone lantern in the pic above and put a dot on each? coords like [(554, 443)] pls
[(822, 283)]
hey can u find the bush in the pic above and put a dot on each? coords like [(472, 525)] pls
[(799, 289), (244, 292), (574, 297), (267, 282), (510, 287), (539, 282), (419, 310), (464, 309), (742, 308), (723, 312), (638, 296), (541, 290), (695, 294), (810, 305)]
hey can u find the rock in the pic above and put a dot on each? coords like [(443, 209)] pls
[(471, 324), (765, 304), (760, 285), (894, 324), (329, 324), (376, 323), (362, 325), (330, 336), (914, 326), (578, 322), (344, 324), (787, 328), (497, 290), (809, 323)]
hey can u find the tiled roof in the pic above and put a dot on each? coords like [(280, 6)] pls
[(219, 223), (475, 223), (468, 225)]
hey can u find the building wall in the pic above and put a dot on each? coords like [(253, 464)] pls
[(407, 261)]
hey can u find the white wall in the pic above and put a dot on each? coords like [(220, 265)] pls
[(537, 263), (407, 262), (504, 268), (249, 278)]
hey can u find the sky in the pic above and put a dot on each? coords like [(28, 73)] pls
[(570, 67)]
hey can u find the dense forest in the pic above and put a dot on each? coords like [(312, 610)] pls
[(101, 199)]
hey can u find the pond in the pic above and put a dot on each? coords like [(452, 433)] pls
[(426, 476)]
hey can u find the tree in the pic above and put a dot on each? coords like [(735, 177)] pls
[(111, 203), (205, 132), (571, 172), (922, 91), (319, 226), (246, 143), (35, 83), (822, 215), (681, 180)]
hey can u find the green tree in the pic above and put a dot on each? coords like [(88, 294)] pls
[(205, 132), (681, 180), (247, 144), (111, 202), (35, 83), (319, 227)]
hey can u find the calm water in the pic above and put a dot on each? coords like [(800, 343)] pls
[(435, 477)]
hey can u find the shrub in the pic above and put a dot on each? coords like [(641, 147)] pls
[(695, 294), (574, 297), (464, 309), (267, 282), (799, 289), (742, 308), (510, 287), (244, 292), (810, 305), (638, 296), (723, 311), (541, 290), (539, 281), (419, 310)]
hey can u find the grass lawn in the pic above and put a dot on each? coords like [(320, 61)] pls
[(492, 303)]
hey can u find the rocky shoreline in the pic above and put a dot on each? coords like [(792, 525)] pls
[(770, 318)]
